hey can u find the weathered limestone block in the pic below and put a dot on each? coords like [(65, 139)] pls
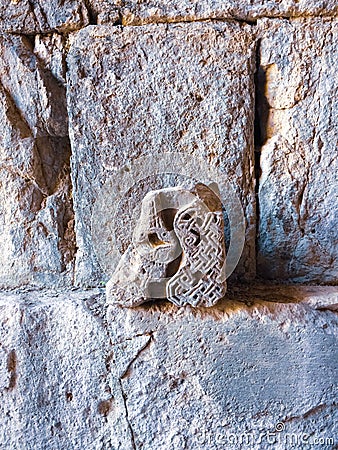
[(105, 11), (73, 375), (225, 377), (53, 386), (178, 251), (36, 218), (143, 91), (298, 234), (51, 51), (42, 16), (139, 12)]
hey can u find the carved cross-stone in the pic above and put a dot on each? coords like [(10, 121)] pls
[(177, 250)]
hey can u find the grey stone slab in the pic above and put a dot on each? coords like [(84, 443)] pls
[(231, 375), (36, 218), (298, 234), (42, 16), (140, 12), (53, 373), (143, 91), (74, 374)]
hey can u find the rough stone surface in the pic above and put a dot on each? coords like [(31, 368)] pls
[(76, 375), (137, 91), (256, 371), (225, 377), (298, 191), (139, 12), (105, 11), (51, 51), (36, 218), (53, 387), (42, 16), (177, 251)]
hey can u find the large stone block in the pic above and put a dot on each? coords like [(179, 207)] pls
[(76, 375), (36, 217), (298, 234), (231, 376), (53, 377), (143, 91), (30, 17), (139, 12)]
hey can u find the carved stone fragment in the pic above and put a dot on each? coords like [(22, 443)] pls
[(177, 250)]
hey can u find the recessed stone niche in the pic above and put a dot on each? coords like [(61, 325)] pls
[(144, 91)]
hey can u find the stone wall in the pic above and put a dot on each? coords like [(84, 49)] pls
[(298, 186), (249, 89), (195, 87), (74, 375)]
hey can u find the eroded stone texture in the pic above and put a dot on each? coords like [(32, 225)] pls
[(51, 51), (298, 234), (138, 12), (36, 219), (53, 388), (136, 91), (105, 11), (160, 377), (207, 378), (42, 16), (178, 251)]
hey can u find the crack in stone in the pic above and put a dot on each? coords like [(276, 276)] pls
[(14, 110), (144, 347), (311, 412), (37, 19), (181, 20), (260, 124), (12, 369), (43, 14), (124, 398), (91, 15), (328, 308), (150, 333)]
